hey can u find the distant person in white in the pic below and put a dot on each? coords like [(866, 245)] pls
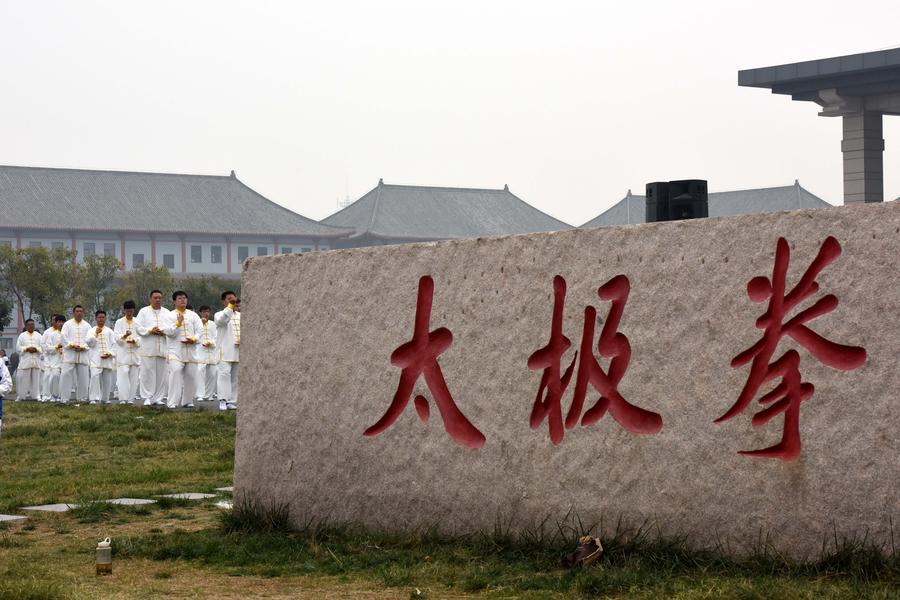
[(128, 359), (28, 375), (5, 386), (182, 328), (207, 357), (51, 342), (228, 339), (150, 321), (76, 336), (103, 360)]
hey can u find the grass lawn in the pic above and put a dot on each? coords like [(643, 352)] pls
[(182, 549)]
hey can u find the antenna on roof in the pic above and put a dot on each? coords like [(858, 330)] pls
[(233, 175)]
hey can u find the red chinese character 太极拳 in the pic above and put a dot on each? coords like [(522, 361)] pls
[(418, 357), (612, 344), (787, 395)]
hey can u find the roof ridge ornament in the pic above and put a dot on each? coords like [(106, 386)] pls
[(505, 187), (233, 174)]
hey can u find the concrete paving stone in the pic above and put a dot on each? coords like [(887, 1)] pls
[(224, 504), (51, 507), (7, 518), (130, 501), (229, 489), (188, 496)]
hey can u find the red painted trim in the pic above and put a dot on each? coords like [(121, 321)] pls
[(228, 243), (122, 250), (153, 251), (183, 255), (276, 246), (74, 250), (18, 240), (316, 242)]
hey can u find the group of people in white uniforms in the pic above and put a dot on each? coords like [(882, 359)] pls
[(160, 357)]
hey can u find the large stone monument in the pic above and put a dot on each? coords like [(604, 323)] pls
[(438, 385)]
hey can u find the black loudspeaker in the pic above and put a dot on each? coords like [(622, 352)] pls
[(657, 195), (676, 200)]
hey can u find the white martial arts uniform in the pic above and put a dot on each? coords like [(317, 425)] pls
[(75, 364), (207, 361), (5, 387), (154, 379), (52, 345), (28, 375), (103, 364), (228, 339), (128, 360), (182, 342)]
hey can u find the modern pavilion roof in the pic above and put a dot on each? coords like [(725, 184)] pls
[(85, 200), (412, 212), (633, 209), (867, 73)]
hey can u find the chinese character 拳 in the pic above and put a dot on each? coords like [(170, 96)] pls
[(787, 395)]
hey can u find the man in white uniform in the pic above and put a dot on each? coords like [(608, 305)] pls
[(207, 357), (228, 339), (76, 337), (28, 375), (52, 345), (5, 387), (103, 360), (182, 328), (150, 322), (128, 360)]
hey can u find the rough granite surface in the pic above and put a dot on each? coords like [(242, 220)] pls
[(319, 330)]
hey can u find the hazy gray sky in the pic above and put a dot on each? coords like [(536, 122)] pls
[(570, 103)]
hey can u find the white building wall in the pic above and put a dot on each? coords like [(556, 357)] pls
[(133, 247)]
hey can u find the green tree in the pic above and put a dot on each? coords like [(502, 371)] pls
[(138, 283), (95, 278), (207, 289), (40, 281), (6, 308)]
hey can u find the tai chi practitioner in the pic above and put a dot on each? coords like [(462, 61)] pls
[(128, 359), (182, 328), (28, 375), (207, 357), (5, 387), (228, 339), (153, 345), (51, 342), (76, 337), (103, 360)]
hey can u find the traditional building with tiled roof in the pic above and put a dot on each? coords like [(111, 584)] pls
[(396, 214), (633, 209), (192, 224)]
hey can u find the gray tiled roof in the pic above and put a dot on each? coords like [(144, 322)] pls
[(633, 209), (79, 200), (434, 213)]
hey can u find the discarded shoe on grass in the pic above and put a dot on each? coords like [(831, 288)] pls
[(588, 552)]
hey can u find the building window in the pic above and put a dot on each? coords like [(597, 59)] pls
[(323, 247), (56, 245), (169, 261), (109, 249), (215, 255), (90, 249), (34, 244), (243, 253), (6, 343), (137, 261), (196, 254), (287, 250), (262, 251), (305, 249)]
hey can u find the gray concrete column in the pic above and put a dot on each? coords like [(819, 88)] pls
[(863, 148)]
